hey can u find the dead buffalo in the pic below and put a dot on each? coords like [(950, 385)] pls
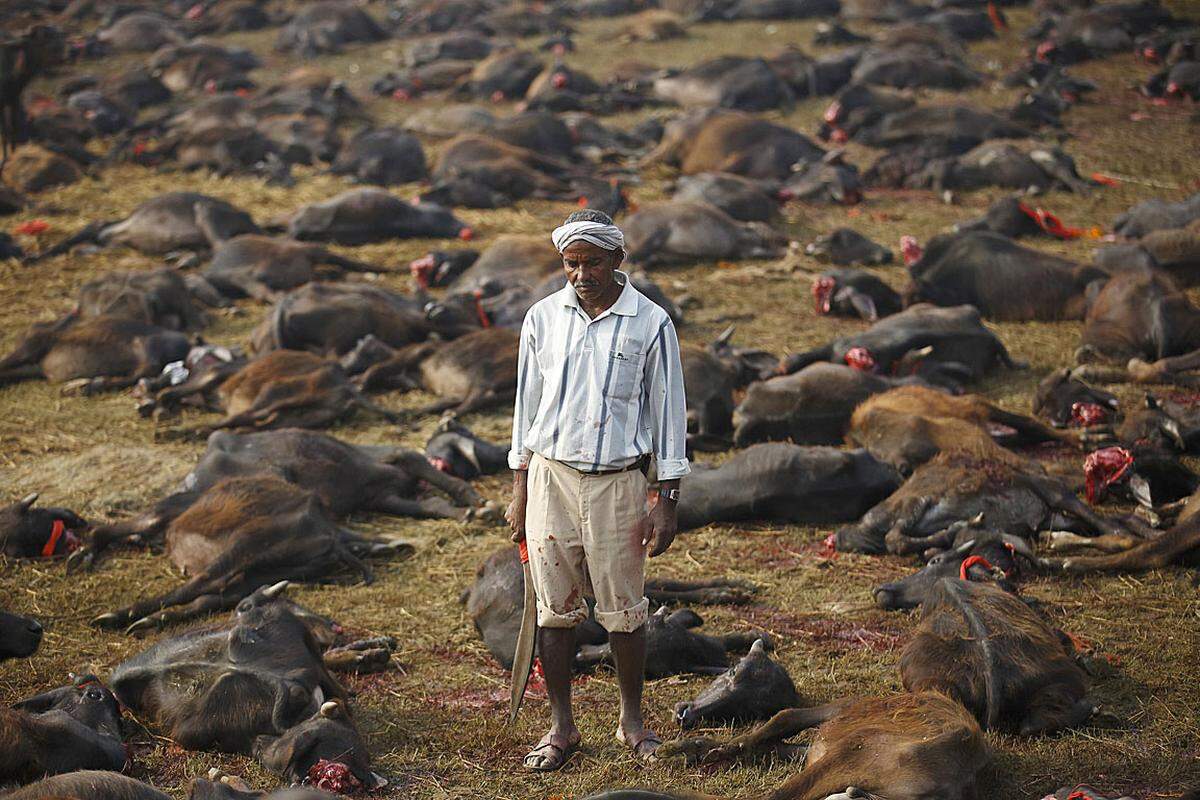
[(991, 652), (956, 338), (503, 75), (674, 648), (242, 534), (327, 737), (812, 406), (28, 532), (1005, 165), (141, 31), (860, 107), (1004, 280), (743, 199), (1012, 494), (159, 297), (710, 376), (907, 426), (475, 371), (331, 318), (928, 746), (1065, 400), (63, 730), (164, 224), (92, 354), (285, 389), (382, 156), (326, 27), (1175, 251), (267, 663), (854, 293), (508, 260), (755, 688), (675, 232), (345, 478), (968, 551), (748, 84), (494, 601), (1139, 315), (846, 246), (226, 787), (1012, 217), (962, 124), (785, 483), (362, 216), (301, 139), (482, 171), (19, 636), (907, 69), (88, 785), (726, 141), (1153, 215), (261, 266), (829, 180), (457, 451)]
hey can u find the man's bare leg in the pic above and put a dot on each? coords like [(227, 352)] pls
[(629, 655), (557, 648)]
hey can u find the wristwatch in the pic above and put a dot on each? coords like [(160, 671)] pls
[(669, 494)]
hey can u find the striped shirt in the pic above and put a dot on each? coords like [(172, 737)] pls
[(597, 394)]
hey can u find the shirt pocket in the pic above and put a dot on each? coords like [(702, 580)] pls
[(625, 362)]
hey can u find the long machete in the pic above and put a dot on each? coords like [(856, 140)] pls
[(526, 638)]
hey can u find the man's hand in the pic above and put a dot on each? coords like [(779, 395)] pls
[(658, 530), (516, 509)]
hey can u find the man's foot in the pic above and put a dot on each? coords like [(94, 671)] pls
[(551, 752), (643, 743)]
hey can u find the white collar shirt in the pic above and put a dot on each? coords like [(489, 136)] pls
[(598, 394)]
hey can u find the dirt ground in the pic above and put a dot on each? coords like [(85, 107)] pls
[(436, 723)]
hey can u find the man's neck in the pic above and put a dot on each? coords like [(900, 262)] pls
[(606, 302)]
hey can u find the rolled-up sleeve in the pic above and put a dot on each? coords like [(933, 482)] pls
[(666, 405), (529, 394)]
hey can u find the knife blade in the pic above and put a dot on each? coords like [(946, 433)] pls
[(526, 639)]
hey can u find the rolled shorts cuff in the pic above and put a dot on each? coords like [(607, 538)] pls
[(625, 621), (548, 618)]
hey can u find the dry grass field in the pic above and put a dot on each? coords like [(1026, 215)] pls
[(436, 723)]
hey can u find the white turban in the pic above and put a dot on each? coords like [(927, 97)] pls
[(608, 237)]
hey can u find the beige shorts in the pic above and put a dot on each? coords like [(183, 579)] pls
[(582, 543)]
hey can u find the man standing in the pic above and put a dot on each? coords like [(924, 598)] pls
[(599, 391)]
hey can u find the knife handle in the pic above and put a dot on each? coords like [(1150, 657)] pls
[(524, 548)]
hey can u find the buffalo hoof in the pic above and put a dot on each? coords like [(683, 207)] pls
[(1145, 372), (490, 512), (80, 387), (112, 621), (82, 560), (693, 751)]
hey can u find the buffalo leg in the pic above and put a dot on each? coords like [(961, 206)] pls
[(713, 592), (1156, 553), (204, 604), (1059, 498), (17, 374), (416, 465), (773, 732), (1029, 430)]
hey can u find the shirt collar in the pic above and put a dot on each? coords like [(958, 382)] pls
[(625, 306)]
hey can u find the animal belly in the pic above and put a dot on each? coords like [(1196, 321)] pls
[(68, 362)]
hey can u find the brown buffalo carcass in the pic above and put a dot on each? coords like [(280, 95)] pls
[(93, 354), (1065, 400), (1004, 280), (242, 534), (1144, 323), (256, 685), (1175, 251), (682, 232), (331, 318), (88, 785), (28, 532), (280, 389), (727, 141), (363, 216), (63, 730), (1012, 494), (812, 406), (990, 651), (907, 426), (954, 339), (346, 478), (478, 370), (922, 745), (785, 483), (19, 635), (160, 297)]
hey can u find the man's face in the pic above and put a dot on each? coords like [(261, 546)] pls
[(590, 269)]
